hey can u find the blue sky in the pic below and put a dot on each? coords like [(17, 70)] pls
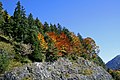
[(98, 19)]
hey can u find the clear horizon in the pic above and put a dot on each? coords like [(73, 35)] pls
[(99, 20)]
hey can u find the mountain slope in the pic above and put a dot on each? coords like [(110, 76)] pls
[(62, 69), (114, 64)]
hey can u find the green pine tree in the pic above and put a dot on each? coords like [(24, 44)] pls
[(39, 25), (59, 28), (7, 26), (80, 37), (20, 23), (46, 27), (1, 18), (37, 54), (31, 21)]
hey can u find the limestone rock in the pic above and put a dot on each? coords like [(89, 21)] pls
[(62, 69)]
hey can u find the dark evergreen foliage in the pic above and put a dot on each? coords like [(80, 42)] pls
[(80, 37), (1, 17)]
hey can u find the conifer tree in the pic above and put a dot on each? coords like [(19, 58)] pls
[(59, 28), (29, 28), (55, 28), (37, 53), (80, 37), (17, 20), (31, 20), (24, 24), (7, 26), (20, 23), (39, 25), (1, 17), (67, 32), (46, 27), (51, 28), (1, 8)]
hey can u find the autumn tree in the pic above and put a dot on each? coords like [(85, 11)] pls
[(61, 42), (42, 41), (90, 46)]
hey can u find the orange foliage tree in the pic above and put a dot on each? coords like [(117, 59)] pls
[(61, 42)]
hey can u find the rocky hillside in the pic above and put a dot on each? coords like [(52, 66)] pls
[(62, 69), (114, 64)]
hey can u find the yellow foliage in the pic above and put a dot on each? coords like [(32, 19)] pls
[(90, 45), (43, 44), (76, 44)]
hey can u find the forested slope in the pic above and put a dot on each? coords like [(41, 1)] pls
[(25, 40)]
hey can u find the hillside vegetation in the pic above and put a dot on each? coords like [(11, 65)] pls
[(24, 39), (115, 74)]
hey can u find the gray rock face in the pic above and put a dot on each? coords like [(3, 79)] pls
[(62, 69)]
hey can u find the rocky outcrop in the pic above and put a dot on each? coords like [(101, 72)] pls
[(62, 69)]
